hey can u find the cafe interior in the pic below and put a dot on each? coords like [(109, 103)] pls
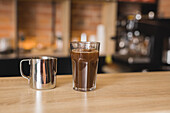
[(133, 34), (85, 56)]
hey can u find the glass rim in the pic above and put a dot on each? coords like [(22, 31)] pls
[(81, 42)]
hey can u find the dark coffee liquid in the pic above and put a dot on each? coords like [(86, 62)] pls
[(84, 67)]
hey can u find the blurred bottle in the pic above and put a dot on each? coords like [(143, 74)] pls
[(92, 38), (130, 22), (83, 37), (59, 41), (101, 38), (21, 40)]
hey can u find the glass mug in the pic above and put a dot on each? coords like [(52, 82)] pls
[(42, 72), (85, 57)]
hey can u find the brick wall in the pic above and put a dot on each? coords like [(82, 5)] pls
[(35, 20), (7, 18), (58, 20), (85, 17), (164, 9)]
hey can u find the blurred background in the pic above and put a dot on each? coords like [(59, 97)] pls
[(134, 34)]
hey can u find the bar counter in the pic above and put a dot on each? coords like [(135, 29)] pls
[(115, 93)]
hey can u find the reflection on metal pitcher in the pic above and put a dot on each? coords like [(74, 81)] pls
[(42, 72)]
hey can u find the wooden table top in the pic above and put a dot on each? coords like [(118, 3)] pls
[(115, 93)]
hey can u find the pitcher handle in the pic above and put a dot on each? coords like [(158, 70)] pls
[(23, 75)]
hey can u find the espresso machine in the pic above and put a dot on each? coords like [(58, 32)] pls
[(132, 46), (144, 45), (147, 50)]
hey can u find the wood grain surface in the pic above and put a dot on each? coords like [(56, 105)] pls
[(115, 93)]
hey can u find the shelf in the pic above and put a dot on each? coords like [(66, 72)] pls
[(42, 53), (41, 21), (8, 56), (132, 60)]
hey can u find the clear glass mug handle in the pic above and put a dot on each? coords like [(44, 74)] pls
[(23, 75)]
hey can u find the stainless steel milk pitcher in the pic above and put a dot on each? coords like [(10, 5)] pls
[(42, 72)]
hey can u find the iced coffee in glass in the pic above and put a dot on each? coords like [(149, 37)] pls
[(85, 57)]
